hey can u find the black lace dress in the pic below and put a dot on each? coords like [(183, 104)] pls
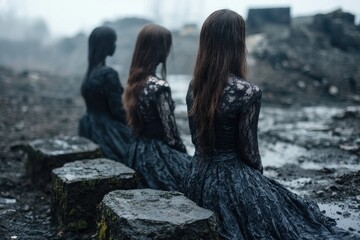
[(229, 181), (104, 122), (158, 155)]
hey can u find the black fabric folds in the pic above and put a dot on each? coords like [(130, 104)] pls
[(158, 155), (229, 180), (104, 122)]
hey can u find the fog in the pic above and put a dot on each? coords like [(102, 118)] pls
[(52, 35), (67, 17)]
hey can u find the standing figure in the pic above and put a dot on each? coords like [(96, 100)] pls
[(225, 173), (158, 155), (105, 120)]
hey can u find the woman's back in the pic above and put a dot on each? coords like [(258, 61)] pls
[(226, 181), (234, 103), (235, 121), (104, 122), (102, 93), (155, 106)]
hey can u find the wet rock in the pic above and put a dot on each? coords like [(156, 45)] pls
[(7, 212), (19, 126), (350, 112), (351, 148), (154, 214), (339, 180), (26, 208), (47, 154), (332, 187), (327, 170), (320, 193), (78, 187), (333, 90), (301, 84), (346, 214)]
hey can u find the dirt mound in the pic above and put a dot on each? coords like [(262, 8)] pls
[(306, 63)]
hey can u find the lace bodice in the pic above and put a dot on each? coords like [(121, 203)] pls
[(156, 108), (102, 92), (236, 122)]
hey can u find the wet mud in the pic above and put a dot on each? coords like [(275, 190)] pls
[(312, 150)]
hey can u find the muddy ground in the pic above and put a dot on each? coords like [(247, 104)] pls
[(312, 150)]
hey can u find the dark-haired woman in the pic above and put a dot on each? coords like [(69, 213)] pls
[(159, 155), (225, 175), (105, 120)]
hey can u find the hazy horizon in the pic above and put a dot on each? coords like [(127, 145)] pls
[(66, 18)]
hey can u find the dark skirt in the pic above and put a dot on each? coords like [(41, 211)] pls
[(157, 164), (112, 136), (249, 205)]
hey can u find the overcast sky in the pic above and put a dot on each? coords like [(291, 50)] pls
[(67, 17)]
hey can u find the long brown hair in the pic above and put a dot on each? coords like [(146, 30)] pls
[(222, 51), (152, 48)]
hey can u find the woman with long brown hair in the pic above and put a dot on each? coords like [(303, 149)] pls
[(105, 118), (158, 155), (225, 173)]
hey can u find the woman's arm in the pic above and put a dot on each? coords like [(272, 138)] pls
[(114, 91), (165, 107), (248, 124)]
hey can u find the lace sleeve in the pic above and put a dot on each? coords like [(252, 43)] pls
[(248, 124), (114, 91), (165, 107)]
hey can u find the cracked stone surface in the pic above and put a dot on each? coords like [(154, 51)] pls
[(154, 214), (63, 146), (78, 187), (47, 154)]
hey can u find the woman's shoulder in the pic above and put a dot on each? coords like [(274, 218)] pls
[(243, 87), (157, 85), (110, 76), (106, 70)]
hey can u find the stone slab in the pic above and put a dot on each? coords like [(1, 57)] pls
[(78, 187), (47, 154), (154, 214)]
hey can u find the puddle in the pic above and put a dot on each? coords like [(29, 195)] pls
[(280, 153), (345, 216), (296, 183), (318, 166)]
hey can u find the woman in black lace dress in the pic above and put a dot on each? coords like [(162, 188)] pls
[(225, 175), (105, 120), (159, 155)]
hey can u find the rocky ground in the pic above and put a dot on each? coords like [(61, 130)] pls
[(312, 150), (24, 210)]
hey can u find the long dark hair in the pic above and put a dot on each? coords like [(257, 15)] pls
[(222, 51), (101, 44), (152, 48)]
